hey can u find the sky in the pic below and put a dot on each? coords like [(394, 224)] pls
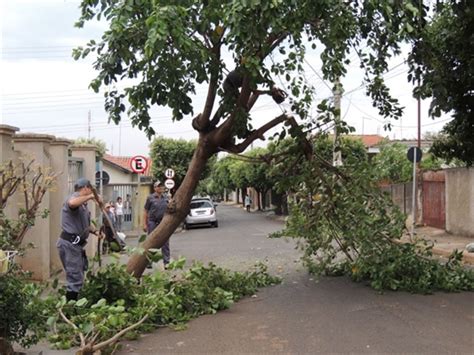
[(44, 90)]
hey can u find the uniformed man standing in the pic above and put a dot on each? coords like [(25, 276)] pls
[(155, 208), (76, 227)]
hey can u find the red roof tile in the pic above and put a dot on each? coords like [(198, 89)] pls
[(369, 140), (124, 162)]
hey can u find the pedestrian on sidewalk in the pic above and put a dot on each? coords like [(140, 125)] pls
[(248, 202), (110, 242), (155, 208), (76, 227), (119, 213)]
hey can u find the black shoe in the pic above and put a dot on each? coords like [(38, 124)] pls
[(149, 265), (71, 295)]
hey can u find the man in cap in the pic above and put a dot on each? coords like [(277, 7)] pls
[(155, 208), (75, 223)]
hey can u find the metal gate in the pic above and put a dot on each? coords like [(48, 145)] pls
[(434, 200), (401, 195), (128, 193), (75, 171)]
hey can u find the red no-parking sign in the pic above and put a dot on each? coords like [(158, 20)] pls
[(139, 164)]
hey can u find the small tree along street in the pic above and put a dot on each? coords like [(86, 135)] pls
[(175, 154), (161, 51)]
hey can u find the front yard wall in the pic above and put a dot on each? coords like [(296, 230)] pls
[(51, 153), (460, 201)]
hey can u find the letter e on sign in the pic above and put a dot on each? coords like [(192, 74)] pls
[(139, 164)]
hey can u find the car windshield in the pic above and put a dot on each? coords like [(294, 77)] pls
[(200, 204)]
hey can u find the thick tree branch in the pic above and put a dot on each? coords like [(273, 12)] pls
[(274, 41), (201, 122), (239, 148), (66, 319), (118, 335)]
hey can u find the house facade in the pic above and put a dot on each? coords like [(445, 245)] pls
[(119, 180)]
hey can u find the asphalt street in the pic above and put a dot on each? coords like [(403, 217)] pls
[(304, 315)]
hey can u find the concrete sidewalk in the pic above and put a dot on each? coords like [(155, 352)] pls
[(445, 243)]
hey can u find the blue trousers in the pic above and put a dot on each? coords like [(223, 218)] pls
[(74, 262), (165, 249)]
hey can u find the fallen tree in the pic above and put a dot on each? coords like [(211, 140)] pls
[(162, 50)]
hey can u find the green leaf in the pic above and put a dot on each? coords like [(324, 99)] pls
[(411, 8), (82, 302), (87, 327), (51, 320)]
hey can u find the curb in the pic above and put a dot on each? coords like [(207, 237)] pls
[(467, 258)]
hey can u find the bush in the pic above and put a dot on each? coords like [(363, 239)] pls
[(22, 313)]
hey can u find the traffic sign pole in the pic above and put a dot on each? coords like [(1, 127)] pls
[(414, 155), (413, 202), (169, 182)]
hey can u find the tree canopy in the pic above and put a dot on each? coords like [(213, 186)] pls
[(100, 145), (169, 47), (443, 62), (175, 154)]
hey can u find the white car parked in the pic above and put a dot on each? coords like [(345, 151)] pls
[(201, 212)]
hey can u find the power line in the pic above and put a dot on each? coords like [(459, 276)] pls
[(385, 122), (41, 47), (31, 110), (83, 96), (363, 85), (43, 92), (47, 104), (317, 74)]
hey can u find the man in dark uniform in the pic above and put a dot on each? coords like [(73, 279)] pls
[(155, 208), (75, 223)]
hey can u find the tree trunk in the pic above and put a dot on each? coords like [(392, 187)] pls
[(5, 347), (178, 207), (277, 201), (264, 199), (284, 205), (281, 203)]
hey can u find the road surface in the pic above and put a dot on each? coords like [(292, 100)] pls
[(303, 315)]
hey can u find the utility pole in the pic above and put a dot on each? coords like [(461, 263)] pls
[(401, 129), (363, 122), (120, 139), (336, 152), (419, 122), (419, 185), (89, 125)]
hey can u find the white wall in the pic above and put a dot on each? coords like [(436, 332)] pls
[(117, 176), (460, 201)]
